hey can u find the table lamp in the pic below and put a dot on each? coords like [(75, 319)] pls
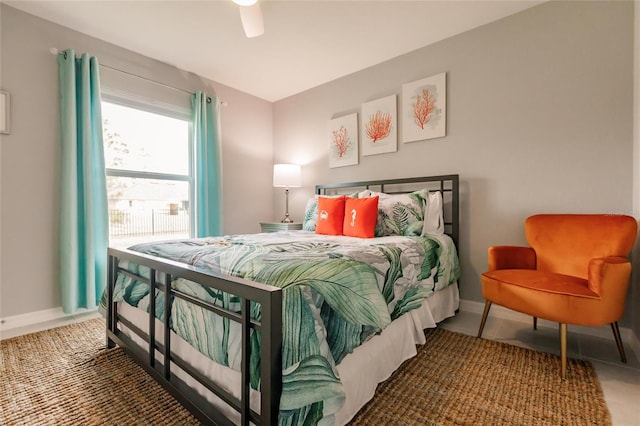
[(286, 176)]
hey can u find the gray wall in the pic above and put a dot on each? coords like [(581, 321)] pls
[(30, 156), (539, 120)]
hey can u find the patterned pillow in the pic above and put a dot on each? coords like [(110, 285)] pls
[(310, 215), (401, 214), (311, 211)]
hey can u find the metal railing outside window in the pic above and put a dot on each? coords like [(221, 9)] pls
[(151, 222)]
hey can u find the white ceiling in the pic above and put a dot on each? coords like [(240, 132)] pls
[(305, 43)]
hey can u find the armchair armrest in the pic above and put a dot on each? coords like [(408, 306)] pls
[(609, 277), (511, 257)]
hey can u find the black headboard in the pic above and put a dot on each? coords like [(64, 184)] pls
[(447, 184)]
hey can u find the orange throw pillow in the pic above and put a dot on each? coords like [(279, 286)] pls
[(330, 215), (360, 216)]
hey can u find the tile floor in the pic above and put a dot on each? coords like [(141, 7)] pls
[(620, 382)]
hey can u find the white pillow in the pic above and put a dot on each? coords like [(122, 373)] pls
[(433, 216), (368, 193)]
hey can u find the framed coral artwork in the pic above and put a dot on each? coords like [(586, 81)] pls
[(424, 108), (380, 126), (343, 141)]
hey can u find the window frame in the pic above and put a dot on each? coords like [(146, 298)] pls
[(129, 100)]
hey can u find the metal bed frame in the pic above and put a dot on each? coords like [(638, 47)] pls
[(158, 359)]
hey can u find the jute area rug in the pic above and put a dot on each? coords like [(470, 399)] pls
[(65, 376)]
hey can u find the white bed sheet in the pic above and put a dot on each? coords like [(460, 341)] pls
[(360, 372)]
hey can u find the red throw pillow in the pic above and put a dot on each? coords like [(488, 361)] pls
[(360, 216), (330, 215)]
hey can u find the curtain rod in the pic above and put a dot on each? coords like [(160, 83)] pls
[(56, 51)]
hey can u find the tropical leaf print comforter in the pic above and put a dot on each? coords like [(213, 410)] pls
[(337, 293)]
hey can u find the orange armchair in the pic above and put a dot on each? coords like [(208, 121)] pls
[(575, 271)]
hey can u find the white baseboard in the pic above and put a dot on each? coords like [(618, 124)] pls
[(32, 322), (629, 339)]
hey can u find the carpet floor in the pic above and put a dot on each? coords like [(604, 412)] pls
[(65, 376)]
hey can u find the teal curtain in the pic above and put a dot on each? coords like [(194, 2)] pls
[(84, 228), (207, 165)]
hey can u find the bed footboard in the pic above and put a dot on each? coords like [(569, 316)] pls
[(162, 272)]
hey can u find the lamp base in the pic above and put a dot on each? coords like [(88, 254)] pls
[(286, 219)]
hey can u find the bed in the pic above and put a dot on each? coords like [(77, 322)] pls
[(236, 342)]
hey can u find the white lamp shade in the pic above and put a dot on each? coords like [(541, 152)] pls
[(287, 175)]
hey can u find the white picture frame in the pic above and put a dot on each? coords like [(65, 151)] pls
[(424, 108), (380, 126), (343, 141)]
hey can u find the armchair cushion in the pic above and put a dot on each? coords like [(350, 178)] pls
[(538, 281), (539, 298)]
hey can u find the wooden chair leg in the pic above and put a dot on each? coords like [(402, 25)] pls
[(616, 335), (485, 313), (563, 350), (535, 323)]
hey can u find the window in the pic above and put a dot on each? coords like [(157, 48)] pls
[(148, 166)]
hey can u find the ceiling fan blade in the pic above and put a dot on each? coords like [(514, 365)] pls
[(252, 22)]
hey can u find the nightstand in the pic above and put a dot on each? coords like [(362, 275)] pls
[(279, 226)]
